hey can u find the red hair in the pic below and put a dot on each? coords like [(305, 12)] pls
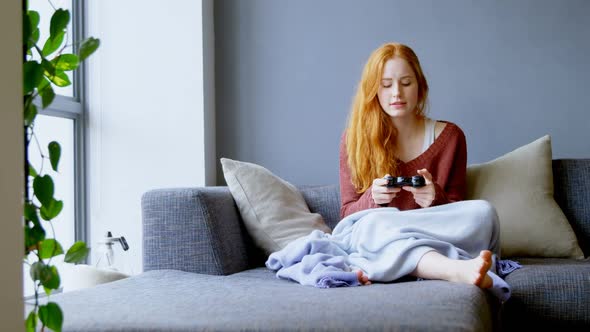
[(370, 135)]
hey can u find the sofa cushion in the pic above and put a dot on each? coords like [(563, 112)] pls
[(550, 293), (273, 210), (520, 186), (255, 300)]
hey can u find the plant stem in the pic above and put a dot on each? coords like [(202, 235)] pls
[(27, 170), (26, 179), (36, 297), (40, 152)]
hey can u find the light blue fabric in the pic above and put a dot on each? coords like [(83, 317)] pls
[(505, 267), (314, 260), (386, 244)]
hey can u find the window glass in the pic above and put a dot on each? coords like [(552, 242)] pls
[(47, 129)]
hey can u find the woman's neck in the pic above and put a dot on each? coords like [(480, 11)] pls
[(408, 128), (410, 137)]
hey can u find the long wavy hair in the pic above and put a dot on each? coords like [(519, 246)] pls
[(370, 134)]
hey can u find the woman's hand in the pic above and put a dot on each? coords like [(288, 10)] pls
[(381, 193), (424, 196)]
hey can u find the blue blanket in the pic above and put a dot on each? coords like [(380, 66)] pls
[(386, 244)]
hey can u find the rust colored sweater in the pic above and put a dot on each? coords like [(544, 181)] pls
[(445, 159)]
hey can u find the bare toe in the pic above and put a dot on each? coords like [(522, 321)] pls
[(482, 279), (486, 255), (359, 276), (486, 282), (363, 279)]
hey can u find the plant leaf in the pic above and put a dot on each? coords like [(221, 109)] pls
[(51, 316), (49, 68), (44, 82), (30, 114), (31, 322), (27, 30), (30, 213), (77, 252), (33, 235), (32, 75), (32, 171), (46, 274), (88, 47), (51, 210), (39, 232), (54, 154), (50, 248), (36, 270), (47, 96), (34, 19), (34, 37), (30, 23), (52, 44), (59, 78), (43, 186), (66, 62), (50, 277), (59, 22)]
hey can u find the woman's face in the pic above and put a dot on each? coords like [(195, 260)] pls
[(398, 91)]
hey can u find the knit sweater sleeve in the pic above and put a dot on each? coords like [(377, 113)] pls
[(350, 199), (455, 188)]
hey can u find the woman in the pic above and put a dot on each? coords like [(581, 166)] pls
[(389, 134)]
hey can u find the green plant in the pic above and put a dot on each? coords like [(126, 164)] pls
[(39, 77)]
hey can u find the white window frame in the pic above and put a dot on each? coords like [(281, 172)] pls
[(74, 108)]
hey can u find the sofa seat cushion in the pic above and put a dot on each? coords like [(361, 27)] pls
[(549, 293), (255, 300)]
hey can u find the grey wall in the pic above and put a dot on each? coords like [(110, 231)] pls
[(507, 72), (11, 168)]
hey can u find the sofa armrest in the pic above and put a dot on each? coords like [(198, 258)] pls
[(194, 230)]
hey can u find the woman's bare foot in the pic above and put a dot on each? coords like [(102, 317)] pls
[(474, 271), (363, 279)]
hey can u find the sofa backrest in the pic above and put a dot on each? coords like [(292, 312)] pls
[(571, 179), (324, 200)]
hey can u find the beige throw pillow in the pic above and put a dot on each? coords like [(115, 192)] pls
[(273, 210), (520, 186)]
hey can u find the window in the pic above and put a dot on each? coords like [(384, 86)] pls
[(63, 121)]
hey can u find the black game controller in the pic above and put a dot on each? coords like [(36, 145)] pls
[(410, 181)]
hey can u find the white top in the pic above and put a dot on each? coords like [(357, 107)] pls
[(429, 126)]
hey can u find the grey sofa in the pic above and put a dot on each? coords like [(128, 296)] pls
[(202, 272)]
